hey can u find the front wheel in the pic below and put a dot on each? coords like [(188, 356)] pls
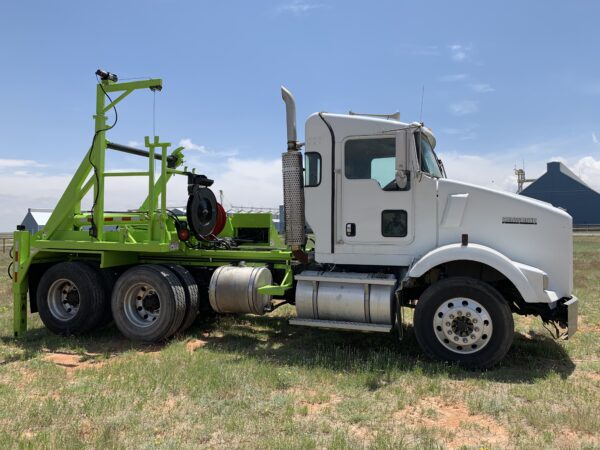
[(464, 320)]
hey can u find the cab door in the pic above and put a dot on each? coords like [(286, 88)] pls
[(375, 213)]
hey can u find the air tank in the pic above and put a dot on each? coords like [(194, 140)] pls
[(235, 290)]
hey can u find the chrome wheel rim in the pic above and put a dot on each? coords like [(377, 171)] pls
[(142, 305), (462, 325), (63, 299)]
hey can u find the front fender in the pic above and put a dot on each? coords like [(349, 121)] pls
[(529, 281)]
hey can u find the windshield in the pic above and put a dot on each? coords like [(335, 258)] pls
[(427, 157)]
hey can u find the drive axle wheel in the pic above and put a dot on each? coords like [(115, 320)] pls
[(71, 298), (464, 320), (192, 299), (148, 303)]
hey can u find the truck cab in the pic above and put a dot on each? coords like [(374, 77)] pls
[(378, 201)]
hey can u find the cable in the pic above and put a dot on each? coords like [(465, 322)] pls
[(93, 229), (11, 256), (154, 113)]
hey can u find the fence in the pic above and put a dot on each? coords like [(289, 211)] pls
[(585, 228), (7, 241)]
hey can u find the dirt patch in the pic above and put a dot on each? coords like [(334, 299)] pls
[(594, 376), (361, 433), (314, 402), (72, 362), (566, 438), (457, 425), (194, 344)]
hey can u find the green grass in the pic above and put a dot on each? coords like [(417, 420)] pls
[(256, 382)]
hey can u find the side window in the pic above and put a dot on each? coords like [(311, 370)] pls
[(394, 223), (374, 159), (312, 169)]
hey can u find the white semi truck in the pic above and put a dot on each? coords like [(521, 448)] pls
[(390, 232)]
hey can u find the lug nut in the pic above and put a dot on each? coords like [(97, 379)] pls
[(456, 338), (465, 340), (468, 314), (476, 328), (472, 336), (474, 320), (447, 324), (459, 313)]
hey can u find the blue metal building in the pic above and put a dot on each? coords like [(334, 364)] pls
[(564, 189)]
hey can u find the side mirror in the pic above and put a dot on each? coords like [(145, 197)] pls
[(402, 158)]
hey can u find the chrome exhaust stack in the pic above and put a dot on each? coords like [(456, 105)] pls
[(290, 117), (293, 183)]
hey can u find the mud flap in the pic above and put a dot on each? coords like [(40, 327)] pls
[(572, 306)]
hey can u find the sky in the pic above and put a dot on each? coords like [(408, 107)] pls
[(501, 85)]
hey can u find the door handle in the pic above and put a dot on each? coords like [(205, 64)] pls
[(350, 229)]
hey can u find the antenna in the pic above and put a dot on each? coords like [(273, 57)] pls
[(422, 97)]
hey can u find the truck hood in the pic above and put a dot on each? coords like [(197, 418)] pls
[(526, 230)]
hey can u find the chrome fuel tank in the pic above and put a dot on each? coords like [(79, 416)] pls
[(340, 296)]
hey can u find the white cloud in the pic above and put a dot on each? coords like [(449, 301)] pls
[(595, 138), (257, 182), (588, 169), (484, 171), (298, 7), (454, 77), (248, 182), (11, 163), (497, 171), (464, 134), (464, 107), (482, 88), (187, 144), (459, 52)]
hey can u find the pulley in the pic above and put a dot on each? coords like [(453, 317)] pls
[(201, 211)]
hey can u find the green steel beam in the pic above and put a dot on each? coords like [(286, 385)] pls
[(126, 174), (21, 262), (109, 86), (279, 290), (117, 100)]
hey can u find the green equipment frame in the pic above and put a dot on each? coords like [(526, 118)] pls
[(144, 235)]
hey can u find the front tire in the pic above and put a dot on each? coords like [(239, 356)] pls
[(464, 320)]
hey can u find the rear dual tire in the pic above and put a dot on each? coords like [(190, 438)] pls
[(72, 298), (192, 295), (148, 303)]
